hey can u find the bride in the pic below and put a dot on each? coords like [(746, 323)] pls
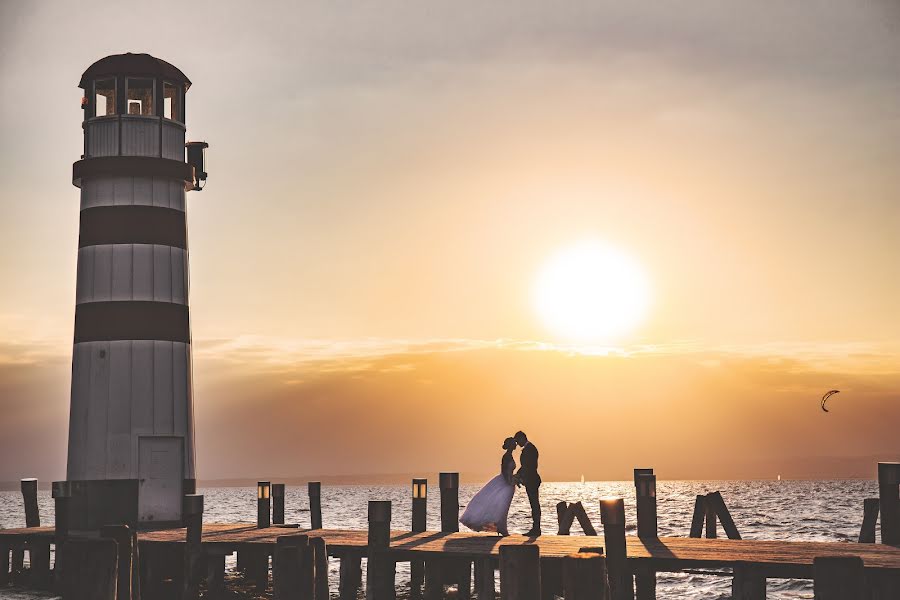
[(489, 508)]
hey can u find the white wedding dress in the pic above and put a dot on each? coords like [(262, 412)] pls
[(488, 510)]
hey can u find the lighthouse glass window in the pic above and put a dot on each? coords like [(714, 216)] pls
[(140, 97), (105, 97), (171, 101)]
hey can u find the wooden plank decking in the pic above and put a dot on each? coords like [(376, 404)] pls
[(778, 558)]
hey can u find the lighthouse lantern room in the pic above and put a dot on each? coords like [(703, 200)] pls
[(131, 425)]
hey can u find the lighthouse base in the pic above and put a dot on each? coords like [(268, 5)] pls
[(95, 503)]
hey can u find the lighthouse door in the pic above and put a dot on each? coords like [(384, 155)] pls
[(161, 478)]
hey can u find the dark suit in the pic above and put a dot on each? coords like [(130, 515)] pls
[(531, 479)]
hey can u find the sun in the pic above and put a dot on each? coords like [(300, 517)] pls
[(591, 292)]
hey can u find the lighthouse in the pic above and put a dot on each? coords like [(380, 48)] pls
[(131, 422)]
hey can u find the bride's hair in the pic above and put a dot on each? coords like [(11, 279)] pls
[(509, 444)]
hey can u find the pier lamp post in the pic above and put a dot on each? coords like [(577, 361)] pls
[(449, 483), (263, 504), (278, 504), (419, 504)]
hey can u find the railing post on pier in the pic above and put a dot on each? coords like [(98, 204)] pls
[(584, 577), (645, 501), (717, 503), (418, 525), (838, 578), (697, 519), (380, 569), (263, 504), (889, 500), (449, 483), (612, 515), (314, 489), (29, 496), (520, 572), (62, 496), (278, 504), (870, 518), (710, 512), (192, 513), (122, 535)]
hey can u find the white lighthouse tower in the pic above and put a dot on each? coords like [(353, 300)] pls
[(131, 425)]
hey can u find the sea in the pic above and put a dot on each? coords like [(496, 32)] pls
[(828, 510)]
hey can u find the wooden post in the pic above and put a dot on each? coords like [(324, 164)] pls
[(870, 518), (612, 515), (434, 577), (351, 576), (838, 578), (319, 553), (380, 568), (192, 514), (29, 495), (122, 535), (278, 504), (748, 583), (91, 569), (520, 572), (485, 581), (710, 513), (586, 526), (699, 515), (449, 484), (562, 517), (293, 571), (215, 573), (715, 500), (889, 500), (645, 499), (315, 504), (419, 518), (4, 562), (584, 577), (263, 504), (62, 496)]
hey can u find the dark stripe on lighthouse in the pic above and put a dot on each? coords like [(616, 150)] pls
[(132, 224), (132, 320)]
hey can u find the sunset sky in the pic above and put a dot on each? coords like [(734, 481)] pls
[(387, 181)]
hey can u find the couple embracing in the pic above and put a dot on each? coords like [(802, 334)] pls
[(489, 508)]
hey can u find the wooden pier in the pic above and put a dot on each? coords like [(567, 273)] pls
[(115, 563)]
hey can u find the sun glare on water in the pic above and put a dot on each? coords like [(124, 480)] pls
[(591, 292)]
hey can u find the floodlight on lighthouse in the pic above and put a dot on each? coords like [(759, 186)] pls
[(196, 157)]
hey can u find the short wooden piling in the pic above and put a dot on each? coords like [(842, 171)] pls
[(29, 496), (350, 576), (62, 496), (889, 501), (838, 578), (748, 583), (584, 577), (710, 515), (320, 567), (122, 534), (314, 488), (380, 568), (192, 514), (215, 573), (870, 518), (612, 515), (278, 504), (699, 515), (4, 563), (419, 518), (520, 572), (91, 569), (263, 504), (645, 501)]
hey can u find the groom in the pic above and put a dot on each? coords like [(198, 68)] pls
[(529, 477)]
